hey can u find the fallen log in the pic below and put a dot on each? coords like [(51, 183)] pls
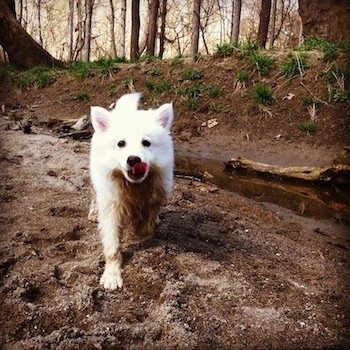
[(324, 174)]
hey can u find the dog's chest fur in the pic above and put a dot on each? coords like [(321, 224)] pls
[(138, 204)]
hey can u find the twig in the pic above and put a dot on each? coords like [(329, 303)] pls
[(76, 135), (299, 66), (325, 103), (194, 176)]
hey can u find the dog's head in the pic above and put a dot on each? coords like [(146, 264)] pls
[(132, 140)]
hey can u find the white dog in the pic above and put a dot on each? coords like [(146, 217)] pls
[(131, 168)]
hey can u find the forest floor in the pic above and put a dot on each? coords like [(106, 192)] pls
[(221, 271)]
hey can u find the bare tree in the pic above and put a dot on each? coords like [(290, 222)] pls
[(195, 26), (152, 27), (236, 20), (272, 23), (38, 18), (208, 11), (264, 22), (22, 50), (71, 30), (135, 29), (89, 4), (122, 28), (112, 21), (79, 30), (163, 14)]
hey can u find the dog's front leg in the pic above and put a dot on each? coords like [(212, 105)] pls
[(110, 234)]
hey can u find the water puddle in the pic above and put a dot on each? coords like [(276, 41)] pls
[(306, 199)]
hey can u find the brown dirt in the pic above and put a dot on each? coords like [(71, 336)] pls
[(221, 271)]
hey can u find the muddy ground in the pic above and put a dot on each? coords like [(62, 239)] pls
[(221, 271)]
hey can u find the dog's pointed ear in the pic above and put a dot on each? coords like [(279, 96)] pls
[(165, 115), (100, 118)]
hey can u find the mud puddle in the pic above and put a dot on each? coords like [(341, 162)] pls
[(309, 200)]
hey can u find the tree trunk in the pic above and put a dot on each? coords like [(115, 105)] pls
[(135, 30), (264, 22), (328, 19), (162, 28), (87, 30), (122, 28), (12, 6), (236, 20), (152, 27), (79, 30), (272, 24), (40, 36), (195, 26), (71, 30), (23, 51), (114, 48)]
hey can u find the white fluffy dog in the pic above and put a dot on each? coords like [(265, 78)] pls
[(131, 168)]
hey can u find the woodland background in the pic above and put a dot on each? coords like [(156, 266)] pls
[(90, 29)]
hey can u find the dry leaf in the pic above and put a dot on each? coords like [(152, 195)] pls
[(289, 96)]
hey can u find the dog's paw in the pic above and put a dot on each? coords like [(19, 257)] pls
[(111, 279)]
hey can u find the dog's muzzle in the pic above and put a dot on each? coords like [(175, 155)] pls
[(138, 168)]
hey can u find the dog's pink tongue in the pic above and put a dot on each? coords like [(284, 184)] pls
[(139, 169)]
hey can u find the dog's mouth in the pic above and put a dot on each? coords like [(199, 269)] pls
[(138, 171)]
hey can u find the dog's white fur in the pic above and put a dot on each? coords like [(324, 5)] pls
[(124, 201)]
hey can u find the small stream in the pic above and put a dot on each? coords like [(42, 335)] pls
[(306, 199)]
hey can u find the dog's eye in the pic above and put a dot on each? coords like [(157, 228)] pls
[(146, 143), (121, 143)]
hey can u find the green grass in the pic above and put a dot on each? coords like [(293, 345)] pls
[(242, 76), (154, 71), (261, 62), (111, 90), (158, 86), (108, 65), (37, 76), (192, 103), (82, 70), (226, 49), (261, 93), (213, 90), (330, 50), (147, 58), (332, 75), (82, 96), (235, 49), (345, 47), (190, 92), (177, 62), (191, 95), (191, 74), (128, 80), (294, 64), (7, 71), (197, 56), (335, 78), (339, 95), (307, 127)]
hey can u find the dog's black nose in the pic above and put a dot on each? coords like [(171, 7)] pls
[(132, 160)]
